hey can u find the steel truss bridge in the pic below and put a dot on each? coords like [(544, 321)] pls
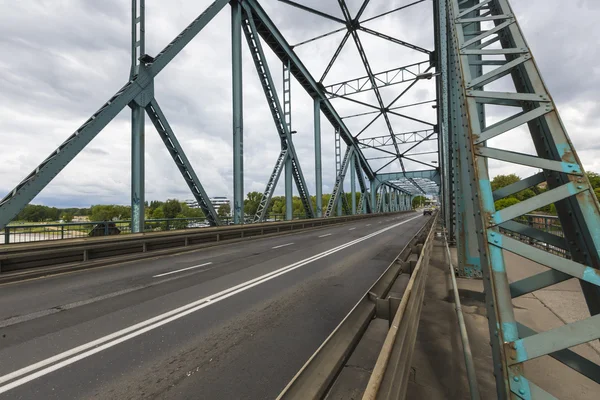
[(488, 87)]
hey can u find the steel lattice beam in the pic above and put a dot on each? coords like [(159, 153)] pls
[(474, 25), (278, 114), (390, 77), (141, 84)]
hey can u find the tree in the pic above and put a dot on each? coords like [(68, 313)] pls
[(224, 210), (251, 203), (181, 223), (594, 179), (506, 202), (277, 205), (190, 212), (417, 200), (158, 213), (171, 208), (109, 212), (501, 181), (67, 217)]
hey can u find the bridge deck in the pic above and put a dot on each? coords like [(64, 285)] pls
[(248, 345)]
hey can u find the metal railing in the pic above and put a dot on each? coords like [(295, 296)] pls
[(544, 223), (29, 232), (74, 254)]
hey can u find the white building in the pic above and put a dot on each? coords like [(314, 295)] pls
[(217, 202)]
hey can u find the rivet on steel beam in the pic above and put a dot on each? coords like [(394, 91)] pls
[(516, 379), (522, 391)]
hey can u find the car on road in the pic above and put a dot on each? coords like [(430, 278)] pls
[(427, 211)]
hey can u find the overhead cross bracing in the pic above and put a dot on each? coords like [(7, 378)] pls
[(382, 104), (388, 85)]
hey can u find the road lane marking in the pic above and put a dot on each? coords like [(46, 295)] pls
[(85, 350), (368, 225), (351, 229), (327, 234), (181, 270), (282, 245)]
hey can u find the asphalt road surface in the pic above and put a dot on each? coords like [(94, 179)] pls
[(235, 321)]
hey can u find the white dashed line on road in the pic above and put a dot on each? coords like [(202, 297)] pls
[(281, 245)]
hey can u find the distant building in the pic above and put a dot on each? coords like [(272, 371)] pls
[(216, 202)]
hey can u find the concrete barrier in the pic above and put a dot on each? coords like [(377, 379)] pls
[(40, 258)]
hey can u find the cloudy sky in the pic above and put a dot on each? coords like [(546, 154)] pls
[(62, 59)]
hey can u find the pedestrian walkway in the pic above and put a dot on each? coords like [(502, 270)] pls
[(438, 368)]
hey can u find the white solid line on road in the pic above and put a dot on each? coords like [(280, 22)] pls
[(368, 225), (351, 229), (181, 270), (327, 234), (85, 350), (281, 245)]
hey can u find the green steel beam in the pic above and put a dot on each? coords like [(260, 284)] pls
[(138, 148), (181, 161), (284, 52), (569, 188), (237, 113), (138, 89)]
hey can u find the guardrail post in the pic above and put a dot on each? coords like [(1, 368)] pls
[(62, 231), (168, 225), (105, 228), (6, 235)]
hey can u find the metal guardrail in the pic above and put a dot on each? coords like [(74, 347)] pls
[(389, 379), (549, 224), (320, 372), (22, 233), (89, 251)]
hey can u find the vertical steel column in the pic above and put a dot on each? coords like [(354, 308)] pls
[(469, 263), (237, 109), (318, 171), (287, 117), (338, 168), (374, 196), (138, 45), (441, 43), (353, 183)]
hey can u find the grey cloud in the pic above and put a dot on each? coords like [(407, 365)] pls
[(60, 72)]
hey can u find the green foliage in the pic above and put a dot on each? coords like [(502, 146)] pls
[(181, 224), (190, 212), (67, 217), (506, 202), (501, 181), (418, 200), (594, 179), (171, 208), (158, 213), (524, 194), (110, 212), (224, 210), (251, 203), (277, 205)]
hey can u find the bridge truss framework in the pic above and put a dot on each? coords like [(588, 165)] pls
[(478, 45)]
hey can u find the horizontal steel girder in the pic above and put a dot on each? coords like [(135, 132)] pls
[(390, 77)]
